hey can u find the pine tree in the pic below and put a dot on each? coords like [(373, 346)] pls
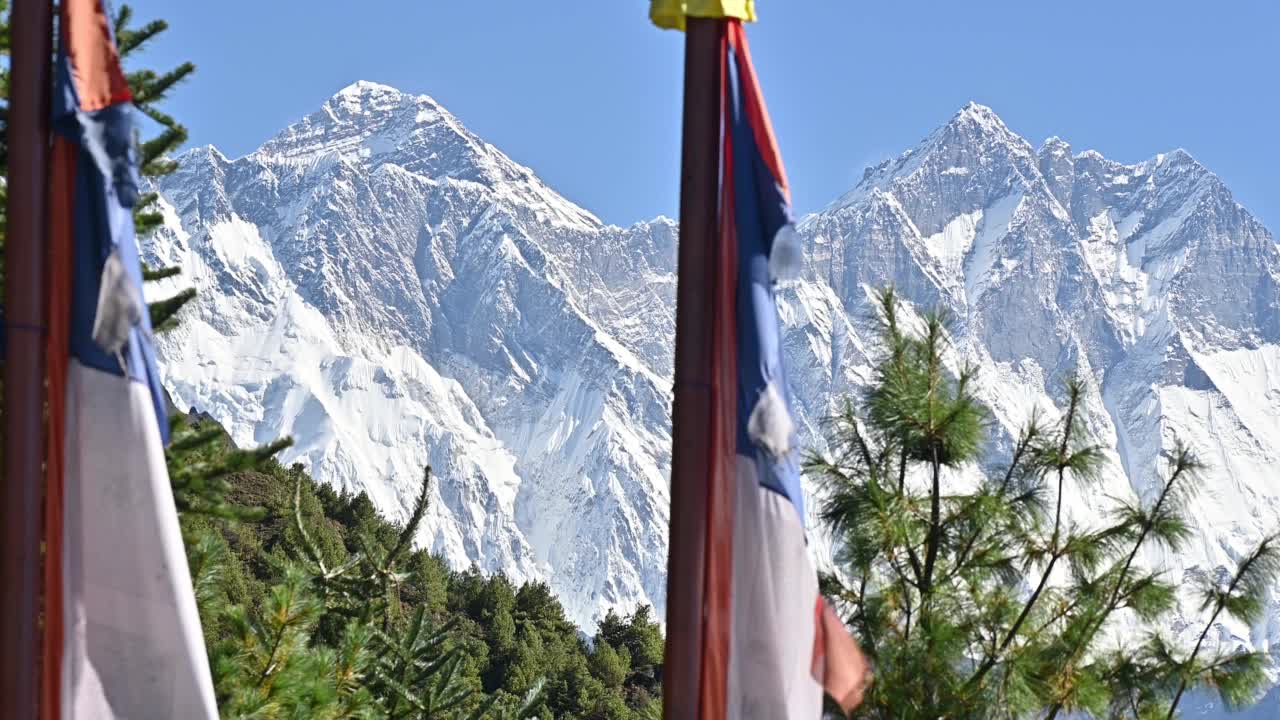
[(1236, 675), (641, 638), (499, 641), (150, 88), (268, 667), (333, 638), (202, 461), (986, 601)]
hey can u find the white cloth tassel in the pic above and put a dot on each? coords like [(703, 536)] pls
[(770, 425), (785, 257), (119, 307)]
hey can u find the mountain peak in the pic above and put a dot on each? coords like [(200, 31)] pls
[(362, 97), (209, 152), (1179, 156), (977, 122), (356, 120), (978, 112), (1055, 145), (974, 133), (361, 88), (367, 125)]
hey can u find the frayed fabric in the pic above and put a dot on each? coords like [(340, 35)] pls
[(770, 425), (785, 256), (119, 307)]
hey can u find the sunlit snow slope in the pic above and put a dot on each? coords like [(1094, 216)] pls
[(393, 291)]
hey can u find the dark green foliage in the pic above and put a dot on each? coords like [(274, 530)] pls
[(201, 460), (440, 643), (267, 667), (610, 666), (1236, 675), (163, 311), (985, 601), (641, 639), (288, 634)]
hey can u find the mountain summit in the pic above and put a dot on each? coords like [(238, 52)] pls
[(392, 291)]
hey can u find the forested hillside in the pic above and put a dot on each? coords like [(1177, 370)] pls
[(280, 622)]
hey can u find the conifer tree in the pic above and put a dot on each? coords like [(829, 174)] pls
[(985, 600), (150, 89), (332, 638), (640, 637)]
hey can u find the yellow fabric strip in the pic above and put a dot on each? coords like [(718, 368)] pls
[(670, 14)]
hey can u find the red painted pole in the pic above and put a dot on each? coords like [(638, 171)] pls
[(31, 38), (692, 409)]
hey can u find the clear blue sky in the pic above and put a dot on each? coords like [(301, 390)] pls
[(587, 93)]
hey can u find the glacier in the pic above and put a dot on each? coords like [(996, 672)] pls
[(392, 291)]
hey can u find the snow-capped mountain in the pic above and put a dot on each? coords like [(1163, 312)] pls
[(393, 291), (1148, 279)]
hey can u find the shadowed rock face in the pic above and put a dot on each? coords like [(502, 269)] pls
[(393, 291)]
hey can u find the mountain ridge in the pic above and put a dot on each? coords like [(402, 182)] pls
[(395, 293)]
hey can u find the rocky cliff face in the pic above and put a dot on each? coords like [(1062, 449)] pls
[(392, 291)]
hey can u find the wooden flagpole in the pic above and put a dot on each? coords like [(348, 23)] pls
[(31, 38), (692, 409)]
